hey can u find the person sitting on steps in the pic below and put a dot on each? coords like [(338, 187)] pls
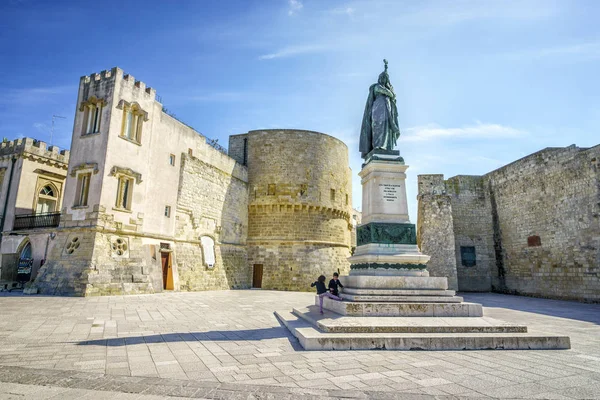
[(322, 291), (333, 285)]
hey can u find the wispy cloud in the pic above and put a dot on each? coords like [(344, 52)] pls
[(294, 6), (34, 95), (219, 97), (343, 10), (477, 131), (590, 50), (291, 51)]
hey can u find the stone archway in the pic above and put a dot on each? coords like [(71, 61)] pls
[(24, 262)]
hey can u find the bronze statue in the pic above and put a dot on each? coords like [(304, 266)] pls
[(380, 121)]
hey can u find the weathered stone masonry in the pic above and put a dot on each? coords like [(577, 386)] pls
[(534, 224), (167, 210), (299, 205)]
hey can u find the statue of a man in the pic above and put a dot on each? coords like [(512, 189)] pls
[(380, 121)]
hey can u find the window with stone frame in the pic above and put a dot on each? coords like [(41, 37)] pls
[(83, 188), (172, 159), (133, 121), (92, 115), (124, 192), (168, 211), (332, 194), (47, 199)]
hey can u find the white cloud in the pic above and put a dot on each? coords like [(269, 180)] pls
[(343, 10), (290, 51), (219, 97), (34, 95), (477, 131), (581, 50), (295, 6)]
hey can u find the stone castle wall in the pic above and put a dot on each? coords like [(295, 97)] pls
[(214, 203), (299, 206), (435, 231), (175, 200), (472, 221), (548, 213), (534, 225)]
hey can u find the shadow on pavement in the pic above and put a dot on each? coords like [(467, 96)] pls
[(554, 308), (210, 336)]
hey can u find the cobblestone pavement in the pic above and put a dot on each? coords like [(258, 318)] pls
[(228, 344)]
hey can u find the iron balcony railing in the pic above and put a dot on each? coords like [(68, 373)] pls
[(31, 221)]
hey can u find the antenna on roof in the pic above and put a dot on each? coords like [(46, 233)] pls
[(52, 129)]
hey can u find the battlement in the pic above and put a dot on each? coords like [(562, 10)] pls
[(431, 184), (35, 147), (141, 86), (115, 74)]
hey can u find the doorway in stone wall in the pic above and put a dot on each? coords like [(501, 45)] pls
[(257, 273), (167, 270)]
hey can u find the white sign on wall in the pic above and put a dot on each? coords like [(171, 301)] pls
[(208, 250)]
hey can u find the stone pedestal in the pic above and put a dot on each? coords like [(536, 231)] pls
[(386, 240), (389, 299)]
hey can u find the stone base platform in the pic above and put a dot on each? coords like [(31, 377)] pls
[(312, 338), (330, 322), (404, 309), (402, 299)]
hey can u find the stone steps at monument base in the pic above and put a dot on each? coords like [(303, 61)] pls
[(334, 323), (402, 299), (394, 282), (398, 292), (313, 339), (384, 309)]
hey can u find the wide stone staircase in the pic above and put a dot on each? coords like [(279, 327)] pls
[(406, 313)]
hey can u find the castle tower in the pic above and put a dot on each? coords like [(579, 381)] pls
[(149, 205), (300, 203)]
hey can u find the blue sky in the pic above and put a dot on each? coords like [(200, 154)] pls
[(479, 83)]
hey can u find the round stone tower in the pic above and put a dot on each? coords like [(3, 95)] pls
[(300, 203)]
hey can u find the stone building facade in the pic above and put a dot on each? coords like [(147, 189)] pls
[(299, 208), (32, 182), (148, 204), (531, 227)]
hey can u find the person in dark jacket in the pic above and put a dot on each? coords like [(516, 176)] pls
[(322, 291), (334, 284)]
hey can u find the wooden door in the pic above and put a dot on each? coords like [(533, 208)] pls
[(257, 276), (167, 270)]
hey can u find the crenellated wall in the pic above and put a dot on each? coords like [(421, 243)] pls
[(125, 250)]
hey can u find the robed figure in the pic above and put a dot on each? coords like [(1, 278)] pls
[(380, 121)]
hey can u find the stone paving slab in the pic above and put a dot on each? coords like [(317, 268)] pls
[(233, 337)]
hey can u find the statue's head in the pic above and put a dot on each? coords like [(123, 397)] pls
[(384, 78)]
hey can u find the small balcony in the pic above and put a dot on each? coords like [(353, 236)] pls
[(32, 221)]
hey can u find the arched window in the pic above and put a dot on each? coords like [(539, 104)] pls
[(47, 199), (133, 118), (26, 252)]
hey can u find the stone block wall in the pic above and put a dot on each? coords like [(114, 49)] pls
[(534, 223), (295, 265), (300, 206), (211, 202), (472, 221), (548, 213), (435, 231)]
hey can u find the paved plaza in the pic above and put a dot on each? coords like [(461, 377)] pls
[(228, 344)]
